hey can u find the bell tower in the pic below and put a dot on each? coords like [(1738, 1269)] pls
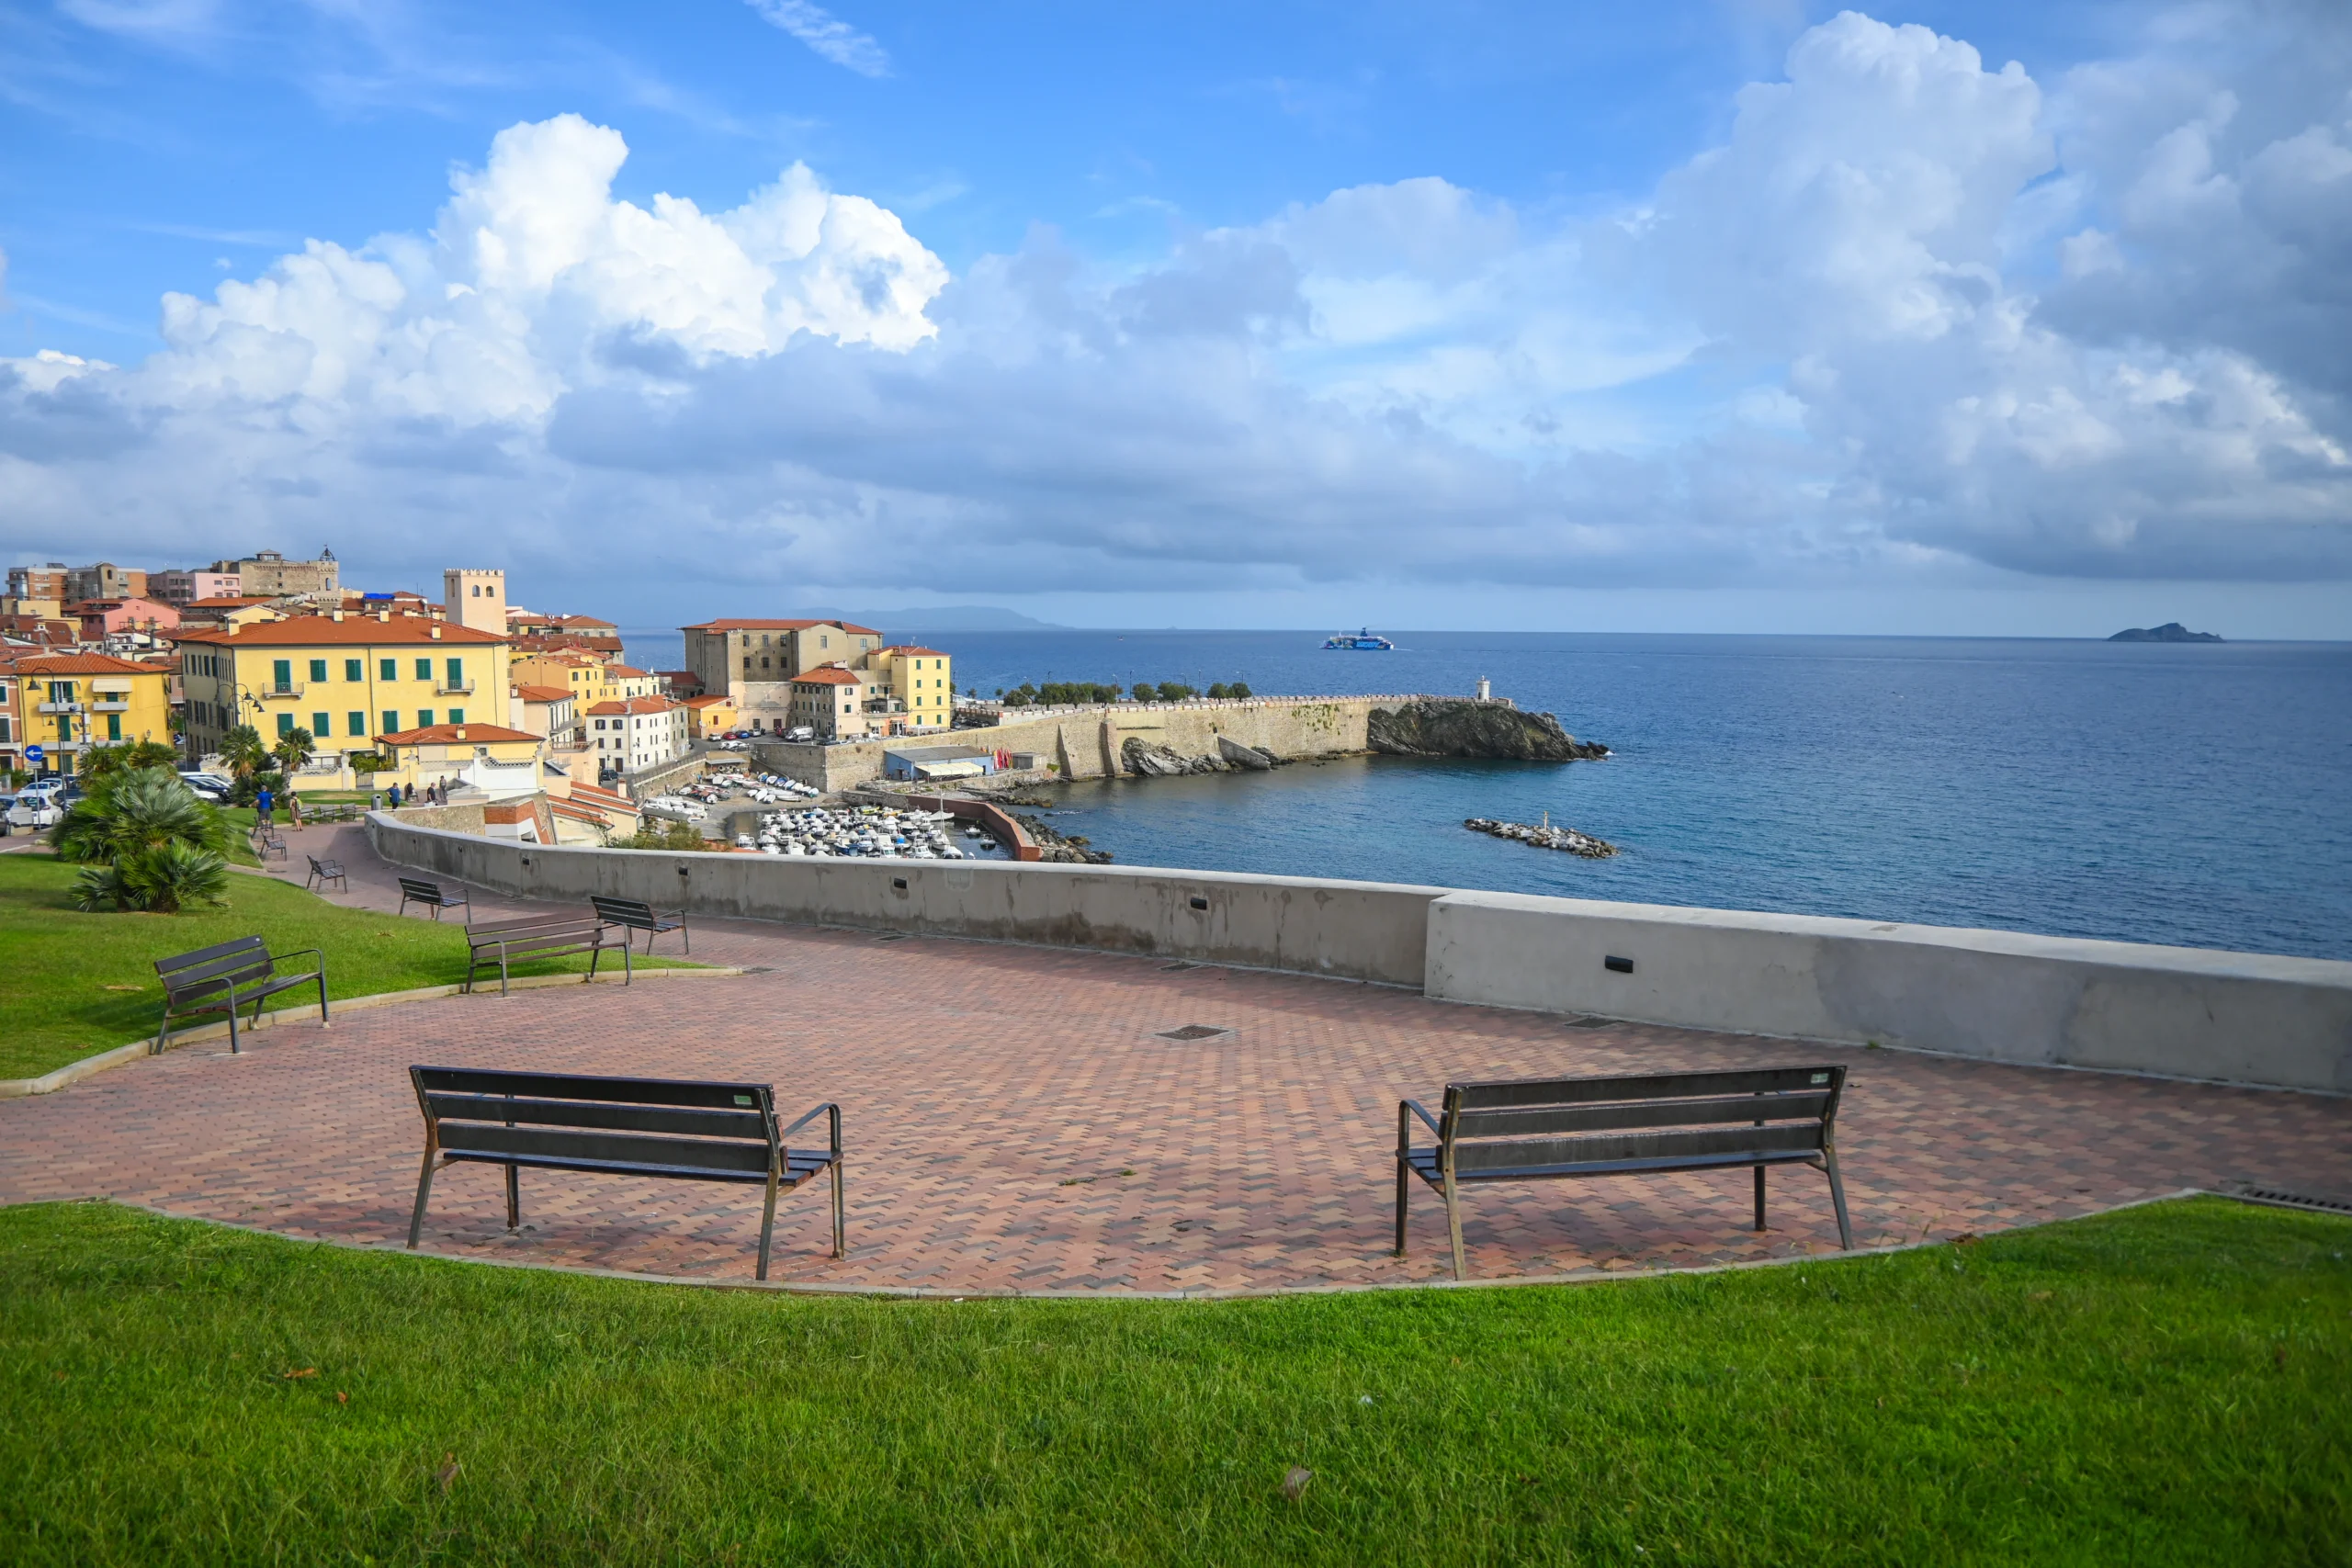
[(475, 599)]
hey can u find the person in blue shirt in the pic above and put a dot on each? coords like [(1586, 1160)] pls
[(263, 805)]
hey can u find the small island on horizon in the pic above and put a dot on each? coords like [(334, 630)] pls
[(2171, 631)]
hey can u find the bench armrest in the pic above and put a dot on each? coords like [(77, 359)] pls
[(298, 951), (820, 1110), (1416, 1107)]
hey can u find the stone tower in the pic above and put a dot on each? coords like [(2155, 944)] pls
[(475, 599)]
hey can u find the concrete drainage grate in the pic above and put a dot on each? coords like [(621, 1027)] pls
[(2278, 1199), (1193, 1032)]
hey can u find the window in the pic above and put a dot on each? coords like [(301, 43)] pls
[(457, 716), (425, 668), (114, 727), (387, 669), (355, 724), (281, 674), (391, 721), (285, 724), (476, 590), (424, 719), (457, 674), (3, 727), (489, 592), (747, 664), (318, 670), (355, 669), (322, 726)]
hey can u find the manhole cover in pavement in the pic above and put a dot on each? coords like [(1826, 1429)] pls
[(1193, 1032)]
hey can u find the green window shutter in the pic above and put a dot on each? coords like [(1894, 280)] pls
[(355, 724), (457, 674), (285, 723), (457, 716), (320, 727), (424, 719), (281, 674), (391, 721), (425, 668), (114, 727), (387, 669), (355, 669), (318, 670)]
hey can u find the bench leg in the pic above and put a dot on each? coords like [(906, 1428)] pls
[(513, 1200), (424, 1191), (232, 1028), (323, 1020), (838, 1248), (1837, 1196), (767, 1225), (1454, 1227), (1404, 1173), (628, 966), (1759, 1197)]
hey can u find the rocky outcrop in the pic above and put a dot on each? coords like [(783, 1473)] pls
[(1250, 758), (2171, 631), (1053, 847), (1442, 728), (1544, 836), (1146, 760)]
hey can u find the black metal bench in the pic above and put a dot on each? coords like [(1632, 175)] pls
[(325, 871), (659, 1127), (526, 937), (1506, 1131), (266, 843), (225, 977), (415, 890), (632, 914)]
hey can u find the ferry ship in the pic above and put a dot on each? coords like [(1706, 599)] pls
[(1360, 642)]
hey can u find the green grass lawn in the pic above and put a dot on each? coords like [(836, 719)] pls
[(72, 984), (2164, 1385)]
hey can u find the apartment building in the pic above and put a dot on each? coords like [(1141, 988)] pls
[(830, 701), (270, 574), (456, 753), (920, 687), (581, 674), (551, 712), (103, 618), (622, 682), (346, 679), (180, 588), (631, 735), (753, 662), (68, 703)]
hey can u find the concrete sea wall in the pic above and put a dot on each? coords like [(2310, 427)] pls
[(2002, 996)]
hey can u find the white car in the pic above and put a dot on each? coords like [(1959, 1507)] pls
[(208, 787), (32, 810)]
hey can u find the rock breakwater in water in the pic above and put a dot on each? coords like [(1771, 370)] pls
[(1544, 836), (1052, 846), (1442, 728)]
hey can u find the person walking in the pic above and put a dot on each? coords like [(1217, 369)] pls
[(265, 807), (396, 797), (293, 808)]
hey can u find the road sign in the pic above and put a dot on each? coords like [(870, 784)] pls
[(34, 753)]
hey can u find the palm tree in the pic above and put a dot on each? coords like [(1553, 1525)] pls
[(151, 843), (241, 750), (104, 762), (293, 750)]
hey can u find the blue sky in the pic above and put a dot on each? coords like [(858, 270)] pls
[(1747, 315)]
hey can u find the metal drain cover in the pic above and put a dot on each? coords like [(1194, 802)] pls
[(1193, 1032), (2277, 1198)]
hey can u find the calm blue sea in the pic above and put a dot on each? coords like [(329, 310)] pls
[(2193, 794)]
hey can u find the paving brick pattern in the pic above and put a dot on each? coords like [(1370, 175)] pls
[(1015, 1121)]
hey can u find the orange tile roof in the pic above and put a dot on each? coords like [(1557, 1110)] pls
[(544, 694), (746, 623), (636, 705), (913, 651), (232, 602), (299, 631), (625, 672), (825, 675), (81, 664), (702, 702), (442, 733)]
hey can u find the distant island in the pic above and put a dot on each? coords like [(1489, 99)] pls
[(2171, 631), (941, 618)]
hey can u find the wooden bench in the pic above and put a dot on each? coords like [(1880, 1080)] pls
[(633, 914), (415, 890), (225, 977), (526, 937), (659, 1127), (1509, 1131), (325, 871)]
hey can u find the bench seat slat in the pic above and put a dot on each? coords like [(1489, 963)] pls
[(620, 1148), (1425, 1165), (1520, 1153), (221, 999), (1659, 1085), (173, 965), (619, 1118), (1641, 1113), (541, 942), (589, 1087), (527, 923), (802, 1164)]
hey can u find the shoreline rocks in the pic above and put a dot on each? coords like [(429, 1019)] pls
[(1544, 836), (1052, 846), (1146, 760), (1460, 727)]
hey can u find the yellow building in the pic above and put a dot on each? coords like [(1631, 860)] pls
[(581, 674), (920, 682), (622, 682), (345, 678), (711, 716), (68, 703), (504, 762)]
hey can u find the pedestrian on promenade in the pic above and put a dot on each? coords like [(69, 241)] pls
[(294, 807), (396, 797), (264, 806)]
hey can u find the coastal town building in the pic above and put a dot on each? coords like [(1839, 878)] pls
[(103, 579), (549, 712), (753, 662), (40, 583), (829, 702), (919, 684), (237, 610), (581, 674), (476, 598), (708, 717), (102, 618), (631, 735), (68, 703), (446, 754), (346, 679), (622, 681), (181, 588), (269, 573)]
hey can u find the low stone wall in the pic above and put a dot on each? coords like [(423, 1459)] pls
[(2005, 996)]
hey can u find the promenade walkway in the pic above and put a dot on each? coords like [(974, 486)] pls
[(1017, 1121)]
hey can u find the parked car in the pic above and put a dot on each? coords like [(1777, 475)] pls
[(30, 810), (207, 786), (802, 732)]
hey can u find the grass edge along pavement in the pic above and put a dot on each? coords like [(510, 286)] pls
[(2160, 1384), (74, 985)]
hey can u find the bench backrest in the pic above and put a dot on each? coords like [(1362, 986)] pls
[(561, 923), (1516, 1124), (624, 1122), (430, 891), (208, 971), (623, 911)]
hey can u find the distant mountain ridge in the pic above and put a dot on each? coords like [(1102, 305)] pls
[(2171, 631)]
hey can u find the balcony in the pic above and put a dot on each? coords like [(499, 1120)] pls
[(111, 704), (59, 707), (267, 693), (463, 689)]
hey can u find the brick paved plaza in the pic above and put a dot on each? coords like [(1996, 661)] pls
[(1015, 1121)]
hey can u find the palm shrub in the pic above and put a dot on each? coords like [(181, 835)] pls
[(242, 750), (149, 844), (103, 762), (293, 749)]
